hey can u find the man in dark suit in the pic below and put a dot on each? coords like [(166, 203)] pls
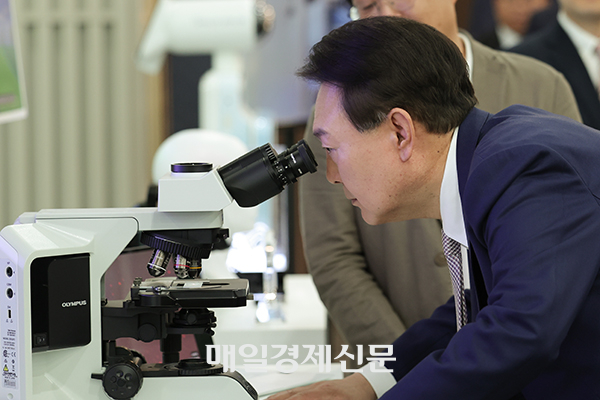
[(570, 46), (516, 191), (400, 267), (512, 21)]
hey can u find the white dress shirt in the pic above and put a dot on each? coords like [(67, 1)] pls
[(451, 207), (454, 227)]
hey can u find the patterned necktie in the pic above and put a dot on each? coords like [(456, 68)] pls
[(453, 256)]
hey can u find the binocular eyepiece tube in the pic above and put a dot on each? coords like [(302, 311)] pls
[(261, 173)]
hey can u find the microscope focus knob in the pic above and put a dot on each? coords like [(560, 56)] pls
[(122, 380)]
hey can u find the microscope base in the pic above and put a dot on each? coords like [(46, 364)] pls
[(224, 386)]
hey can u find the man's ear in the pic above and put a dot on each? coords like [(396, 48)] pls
[(404, 128)]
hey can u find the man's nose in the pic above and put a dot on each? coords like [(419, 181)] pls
[(333, 175), (387, 10)]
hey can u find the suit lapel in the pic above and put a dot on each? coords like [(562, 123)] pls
[(470, 133)]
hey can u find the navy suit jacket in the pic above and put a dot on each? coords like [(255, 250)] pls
[(530, 190), (554, 47)]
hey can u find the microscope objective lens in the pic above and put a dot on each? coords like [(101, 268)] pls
[(181, 267), (158, 263), (194, 268)]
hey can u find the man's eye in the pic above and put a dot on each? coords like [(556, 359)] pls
[(327, 149), (369, 6)]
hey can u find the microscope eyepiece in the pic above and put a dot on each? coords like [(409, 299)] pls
[(191, 167), (261, 173)]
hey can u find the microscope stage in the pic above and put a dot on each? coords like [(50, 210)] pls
[(166, 291)]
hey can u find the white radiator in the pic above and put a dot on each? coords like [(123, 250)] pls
[(86, 141)]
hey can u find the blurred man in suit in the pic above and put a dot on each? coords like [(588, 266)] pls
[(572, 46), (511, 22)]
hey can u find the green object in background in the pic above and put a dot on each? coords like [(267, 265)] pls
[(13, 101), (10, 97)]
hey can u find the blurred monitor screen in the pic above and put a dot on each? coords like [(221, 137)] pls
[(13, 104)]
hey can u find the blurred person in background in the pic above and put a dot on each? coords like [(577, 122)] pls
[(572, 46), (512, 22)]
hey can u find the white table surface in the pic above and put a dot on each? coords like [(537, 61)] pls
[(304, 324)]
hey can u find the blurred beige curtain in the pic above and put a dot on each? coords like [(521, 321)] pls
[(94, 120)]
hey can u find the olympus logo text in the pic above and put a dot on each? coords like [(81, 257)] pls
[(78, 303)]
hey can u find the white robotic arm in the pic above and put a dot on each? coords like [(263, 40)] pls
[(189, 27)]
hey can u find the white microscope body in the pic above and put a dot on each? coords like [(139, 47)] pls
[(58, 331)]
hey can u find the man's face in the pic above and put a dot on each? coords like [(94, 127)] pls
[(516, 14), (431, 12), (366, 164)]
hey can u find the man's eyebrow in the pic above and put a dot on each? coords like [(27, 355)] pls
[(319, 133)]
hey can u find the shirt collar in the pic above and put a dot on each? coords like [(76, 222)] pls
[(468, 53), (507, 37), (450, 204)]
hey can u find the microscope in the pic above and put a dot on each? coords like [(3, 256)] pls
[(58, 330)]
